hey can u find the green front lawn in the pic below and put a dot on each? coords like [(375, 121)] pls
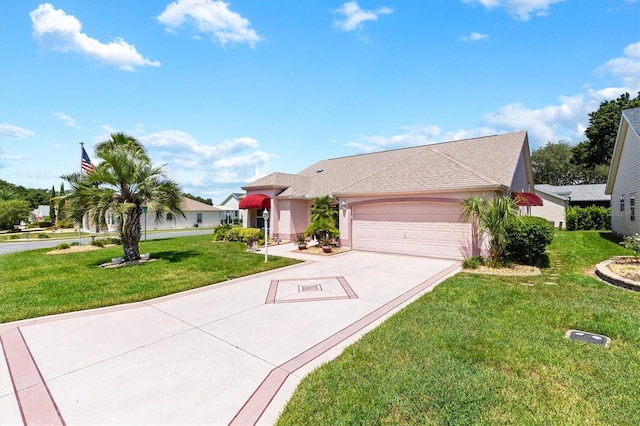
[(34, 284), (490, 350)]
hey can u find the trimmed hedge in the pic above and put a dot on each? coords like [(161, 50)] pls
[(586, 218), (528, 239), (243, 234)]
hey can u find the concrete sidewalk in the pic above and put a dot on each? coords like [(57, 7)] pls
[(230, 353)]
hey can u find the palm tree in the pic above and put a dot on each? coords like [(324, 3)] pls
[(324, 218), (122, 184), (491, 216), (121, 139)]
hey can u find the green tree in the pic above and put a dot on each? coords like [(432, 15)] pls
[(552, 165), (324, 208), (122, 184), (602, 131), (208, 201), (118, 140), (52, 205), (491, 216), (12, 212)]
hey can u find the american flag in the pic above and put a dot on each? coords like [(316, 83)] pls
[(86, 162)]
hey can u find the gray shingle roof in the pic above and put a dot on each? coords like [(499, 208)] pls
[(593, 192), (488, 161), (633, 118)]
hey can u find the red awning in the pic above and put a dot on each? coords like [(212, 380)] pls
[(255, 201), (527, 199)]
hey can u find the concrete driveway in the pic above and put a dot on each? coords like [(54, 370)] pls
[(231, 353)]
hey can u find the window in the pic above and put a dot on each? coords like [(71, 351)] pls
[(198, 217), (622, 203), (111, 220), (632, 207), (169, 216)]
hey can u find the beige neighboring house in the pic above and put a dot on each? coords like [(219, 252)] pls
[(623, 183), (400, 201), (557, 198), (197, 215)]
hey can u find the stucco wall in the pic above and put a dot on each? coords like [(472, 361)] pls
[(627, 183)]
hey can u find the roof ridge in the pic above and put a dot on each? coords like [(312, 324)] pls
[(465, 166)]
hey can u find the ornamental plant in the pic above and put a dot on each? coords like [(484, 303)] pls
[(632, 243)]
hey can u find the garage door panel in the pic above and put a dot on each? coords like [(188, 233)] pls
[(425, 229)]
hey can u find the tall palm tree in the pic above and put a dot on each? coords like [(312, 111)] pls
[(122, 184), (491, 216), (121, 139)]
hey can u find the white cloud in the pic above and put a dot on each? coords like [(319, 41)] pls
[(69, 121), (520, 9), (415, 136), (10, 131), (626, 68), (474, 37), (202, 167), (64, 32), (352, 16), (213, 17)]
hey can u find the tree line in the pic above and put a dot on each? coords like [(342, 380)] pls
[(558, 163)]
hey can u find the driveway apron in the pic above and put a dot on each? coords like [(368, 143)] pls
[(230, 353)]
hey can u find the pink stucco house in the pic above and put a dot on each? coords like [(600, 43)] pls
[(399, 201)]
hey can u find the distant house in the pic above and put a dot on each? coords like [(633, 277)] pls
[(231, 207), (404, 201), (39, 214), (623, 183), (558, 198), (197, 214)]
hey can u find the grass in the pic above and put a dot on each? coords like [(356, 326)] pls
[(487, 350), (36, 284), (66, 234)]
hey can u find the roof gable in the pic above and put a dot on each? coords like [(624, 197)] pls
[(189, 205), (629, 121), (484, 162)]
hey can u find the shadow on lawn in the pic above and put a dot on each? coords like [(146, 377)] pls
[(174, 256), (610, 236)]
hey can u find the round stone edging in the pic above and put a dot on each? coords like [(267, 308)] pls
[(605, 274)]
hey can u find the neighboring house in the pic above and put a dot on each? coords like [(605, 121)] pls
[(623, 183), (197, 214), (230, 207), (38, 215), (400, 201), (558, 198)]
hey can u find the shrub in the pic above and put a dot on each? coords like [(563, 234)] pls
[(113, 240), (220, 232), (15, 237), (528, 238), (473, 262), (98, 243), (45, 224), (62, 246), (43, 236), (65, 224), (243, 234), (321, 228), (632, 243), (586, 218)]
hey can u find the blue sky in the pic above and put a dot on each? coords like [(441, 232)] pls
[(225, 92)]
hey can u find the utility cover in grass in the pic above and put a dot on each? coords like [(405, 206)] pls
[(585, 336)]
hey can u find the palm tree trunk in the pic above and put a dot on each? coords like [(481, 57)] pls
[(130, 236)]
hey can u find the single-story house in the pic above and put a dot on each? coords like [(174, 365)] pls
[(557, 198), (623, 182), (399, 201), (197, 214), (38, 215)]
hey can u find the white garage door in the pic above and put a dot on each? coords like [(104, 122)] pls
[(422, 229)]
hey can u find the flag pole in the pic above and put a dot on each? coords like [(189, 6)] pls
[(80, 224)]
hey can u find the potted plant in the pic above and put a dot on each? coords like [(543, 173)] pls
[(301, 241), (325, 243)]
